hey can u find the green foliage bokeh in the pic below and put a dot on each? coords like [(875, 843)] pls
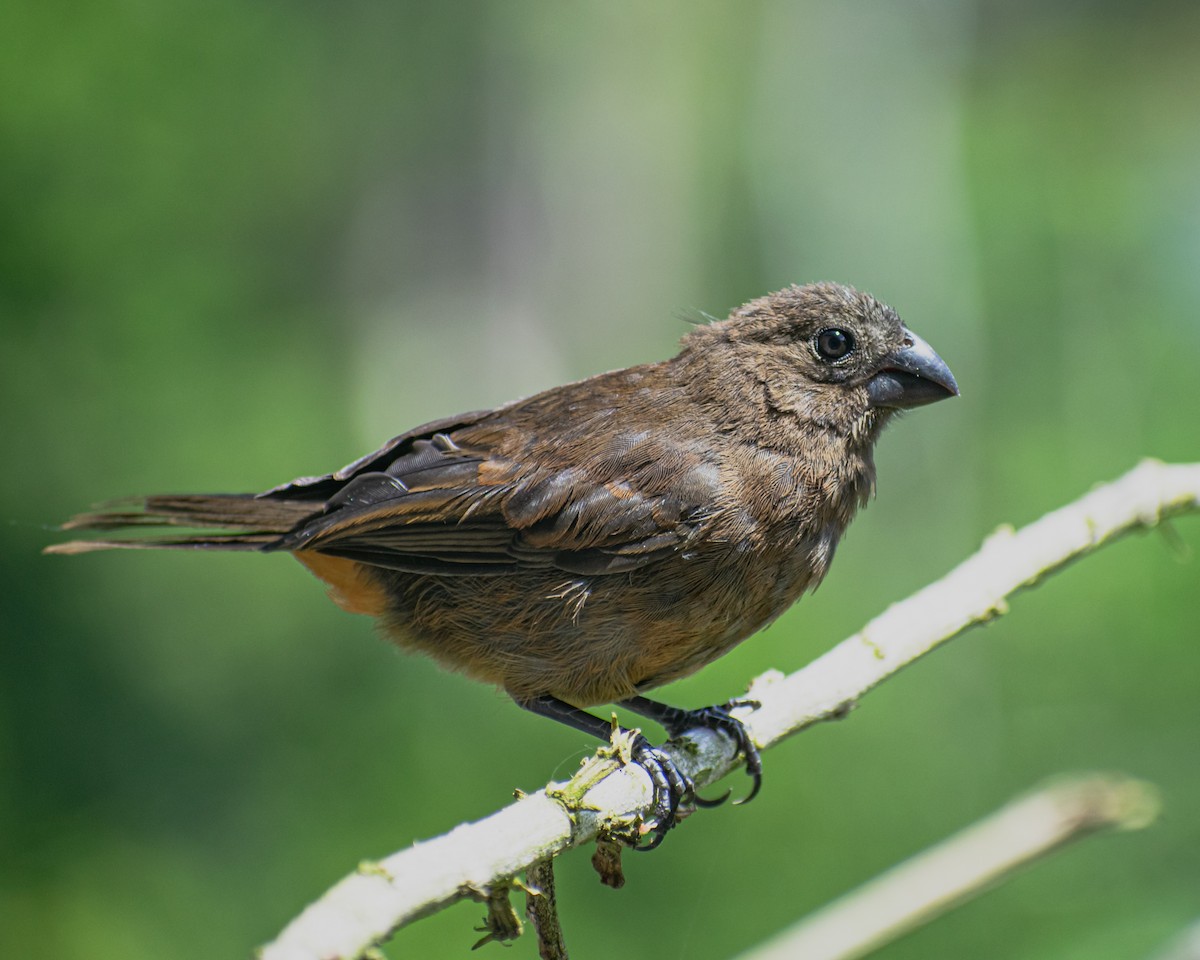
[(242, 242)]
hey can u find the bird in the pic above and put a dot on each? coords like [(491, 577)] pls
[(587, 544)]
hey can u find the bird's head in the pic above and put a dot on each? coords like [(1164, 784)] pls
[(828, 355)]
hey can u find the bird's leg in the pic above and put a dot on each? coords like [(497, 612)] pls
[(675, 721), (671, 787)]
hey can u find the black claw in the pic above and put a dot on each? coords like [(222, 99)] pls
[(676, 721), (719, 718), (757, 776), (715, 802), (656, 837), (671, 788)]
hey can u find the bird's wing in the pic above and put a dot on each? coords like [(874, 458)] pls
[(479, 495)]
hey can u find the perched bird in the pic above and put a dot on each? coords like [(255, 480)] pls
[(594, 541)]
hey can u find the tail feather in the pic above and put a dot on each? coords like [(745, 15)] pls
[(230, 541), (248, 522)]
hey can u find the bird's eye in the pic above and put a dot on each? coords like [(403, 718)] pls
[(833, 344)]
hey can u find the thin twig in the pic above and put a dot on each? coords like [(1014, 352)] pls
[(541, 906), (963, 866), (367, 906)]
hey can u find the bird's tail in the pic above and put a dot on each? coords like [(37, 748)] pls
[(231, 521)]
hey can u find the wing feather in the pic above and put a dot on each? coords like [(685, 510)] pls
[(475, 501)]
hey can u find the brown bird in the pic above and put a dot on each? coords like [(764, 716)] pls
[(590, 543)]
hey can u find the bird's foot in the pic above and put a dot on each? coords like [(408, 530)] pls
[(721, 719), (672, 787), (672, 790)]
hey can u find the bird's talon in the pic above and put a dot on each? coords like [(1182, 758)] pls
[(656, 837), (671, 788), (753, 790), (719, 718), (709, 804)]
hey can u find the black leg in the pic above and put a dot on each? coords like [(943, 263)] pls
[(670, 785), (675, 721), (563, 712)]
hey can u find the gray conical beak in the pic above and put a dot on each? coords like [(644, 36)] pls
[(911, 377)]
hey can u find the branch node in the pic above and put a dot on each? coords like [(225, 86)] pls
[(373, 868), (606, 861), (763, 683), (842, 710), (502, 921), (570, 795)]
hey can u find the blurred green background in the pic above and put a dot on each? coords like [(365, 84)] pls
[(244, 241)]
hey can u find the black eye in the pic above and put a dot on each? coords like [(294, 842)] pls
[(833, 344)]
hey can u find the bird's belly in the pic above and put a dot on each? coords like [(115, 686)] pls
[(591, 640)]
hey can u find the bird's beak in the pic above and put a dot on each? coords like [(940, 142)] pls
[(911, 376)]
